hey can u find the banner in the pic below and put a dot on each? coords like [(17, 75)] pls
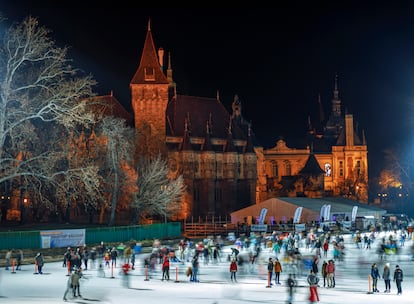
[(300, 227), (354, 213), (322, 214), (62, 238), (262, 216), (298, 213), (327, 214)]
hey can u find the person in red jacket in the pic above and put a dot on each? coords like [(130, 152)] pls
[(233, 270), (166, 268)]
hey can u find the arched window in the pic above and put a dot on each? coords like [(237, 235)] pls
[(328, 169), (275, 170), (288, 168)]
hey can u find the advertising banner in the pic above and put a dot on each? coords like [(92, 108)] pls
[(62, 238), (354, 213), (298, 213), (262, 216)]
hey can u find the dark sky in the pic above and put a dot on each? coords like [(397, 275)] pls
[(277, 60)]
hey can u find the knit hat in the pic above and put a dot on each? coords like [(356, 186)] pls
[(396, 266)]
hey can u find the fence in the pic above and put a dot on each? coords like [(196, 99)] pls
[(203, 227), (32, 239)]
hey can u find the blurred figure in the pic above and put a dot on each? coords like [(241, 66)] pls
[(398, 278), (330, 271), (233, 270), (386, 275), (375, 276), (8, 258), (290, 284), (195, 266), (270, 268), (166, 269), (39, 262), (313, 287), (75, 281), (19, 260), (324, 273), (278, 270), (125, 270)]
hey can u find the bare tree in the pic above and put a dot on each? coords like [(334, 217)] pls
[(40, 92), (157, 194), (118, 158)]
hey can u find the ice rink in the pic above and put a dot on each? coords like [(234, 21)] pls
[(352, 284)]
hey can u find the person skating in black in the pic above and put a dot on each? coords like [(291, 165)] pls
[(398, 278)]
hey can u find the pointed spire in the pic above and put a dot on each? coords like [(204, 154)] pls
[(321, 112), (336, 92), (229, 144), (336, 102), (249, 145), (149, 24), (364, 141), (149, 70), (218, 95), (207, 140), (312, 167), (186, 146)]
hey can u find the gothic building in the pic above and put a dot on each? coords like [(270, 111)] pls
[(331, 161), (216, 152), (212, 148)]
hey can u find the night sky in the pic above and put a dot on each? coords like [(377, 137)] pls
[(277, 60)]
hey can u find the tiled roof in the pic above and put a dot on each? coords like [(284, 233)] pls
[(110, 106), (198, 111)]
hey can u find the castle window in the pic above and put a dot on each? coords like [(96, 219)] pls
[(149, 74), (275, 170), (328, 170), (288, 168), (358, 167), (341, 168)]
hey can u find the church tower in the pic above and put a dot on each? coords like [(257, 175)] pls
[(149, 95)]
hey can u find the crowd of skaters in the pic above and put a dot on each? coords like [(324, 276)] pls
[(245, 251)]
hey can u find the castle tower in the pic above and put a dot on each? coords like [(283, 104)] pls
[(149, 97)]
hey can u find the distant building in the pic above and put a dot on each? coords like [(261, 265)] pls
[(331, 161), (224, 167), (211, 148)]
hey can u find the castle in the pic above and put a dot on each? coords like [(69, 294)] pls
[(223, 165)]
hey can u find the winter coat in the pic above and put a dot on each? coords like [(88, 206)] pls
[(386, 275), (39, 260), (166, 263), (398, 275), (323, 270), (374, 272), (278, 266), (233, 266)]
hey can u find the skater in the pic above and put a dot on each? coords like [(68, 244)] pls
[(278, 270), (375, 276), (166, 269), (386, 275), (398, 278), (233, 270), (313, 287), (291, 284), (39, 262)]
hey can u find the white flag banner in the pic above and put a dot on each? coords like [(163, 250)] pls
[(262, 216), (327, 215), (298, 213), (322, 214), (354, 213)]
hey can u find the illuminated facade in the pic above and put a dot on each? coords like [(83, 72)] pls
[(341, 154), (211, 148)]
